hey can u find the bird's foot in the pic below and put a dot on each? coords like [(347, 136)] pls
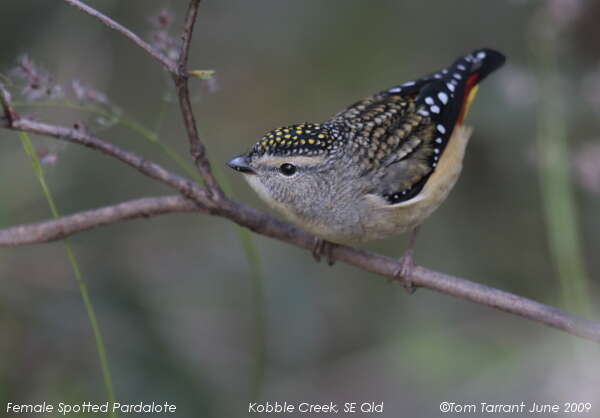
[(322, 248), (405, 272)]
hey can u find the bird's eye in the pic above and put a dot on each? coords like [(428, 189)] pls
[(287, 169)]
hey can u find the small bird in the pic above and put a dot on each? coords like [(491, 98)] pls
[(378, 168)]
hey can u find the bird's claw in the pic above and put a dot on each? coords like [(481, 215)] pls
[(405, 272), (321, 248)]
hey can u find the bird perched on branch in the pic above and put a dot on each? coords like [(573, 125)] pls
[(379, 167)]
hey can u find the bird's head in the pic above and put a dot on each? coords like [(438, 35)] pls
[(289, 165)]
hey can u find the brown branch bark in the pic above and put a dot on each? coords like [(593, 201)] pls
[(213, 202), (181, 78), (186, 36), (56, 229), (5, 102), (79, 136), (264, 224), (180, 75)]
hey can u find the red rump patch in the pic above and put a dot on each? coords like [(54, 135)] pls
[(471, 82)]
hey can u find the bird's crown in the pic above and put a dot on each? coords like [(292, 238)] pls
[(302, 139)]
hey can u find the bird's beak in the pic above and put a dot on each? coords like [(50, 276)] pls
[(240, 164)]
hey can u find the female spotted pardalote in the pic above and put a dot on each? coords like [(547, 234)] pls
[(379, 167)]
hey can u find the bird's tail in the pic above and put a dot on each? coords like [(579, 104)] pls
[(447, 94), (477, 66)]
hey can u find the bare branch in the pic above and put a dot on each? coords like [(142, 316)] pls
[(79, 136), (266, 225), (186, 36), (180, 77), (56, 229), (263, 224), (166, 62), (197, 148)]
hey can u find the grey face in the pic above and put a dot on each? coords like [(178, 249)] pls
[(290, 165), (286, 182), (319, 193)]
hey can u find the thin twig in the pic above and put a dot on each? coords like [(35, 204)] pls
[(7, 108), (186, 36), (60, 228), (166, 62), (180, 77), (79, 136), (197, 148)]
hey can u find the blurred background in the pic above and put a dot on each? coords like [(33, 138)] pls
[(198, 313)]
